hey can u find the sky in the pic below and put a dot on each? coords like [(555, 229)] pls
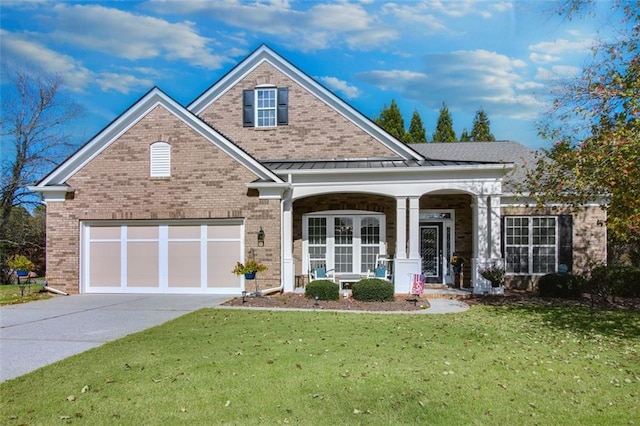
[(502, 56)]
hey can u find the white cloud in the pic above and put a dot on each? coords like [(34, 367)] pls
[(553, 51), (121, 83), (76, 77), (321, 26), (122, 34), (349, 91), (557, 72), (24, 51), (465, 80)]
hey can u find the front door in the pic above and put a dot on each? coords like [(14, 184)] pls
[(431, 251)]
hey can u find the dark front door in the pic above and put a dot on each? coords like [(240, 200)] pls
[(431, 251)]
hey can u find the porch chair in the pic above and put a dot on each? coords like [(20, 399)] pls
[(383, 267), (318, 270)]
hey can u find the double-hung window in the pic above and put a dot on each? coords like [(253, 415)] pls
[(531, 244), (266, 107)]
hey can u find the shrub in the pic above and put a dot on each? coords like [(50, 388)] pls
[(373, 290), (566, 286), (622, 281), (18, 262), (324, 289)]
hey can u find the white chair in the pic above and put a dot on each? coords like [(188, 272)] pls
[(383, 267), (318, 270)]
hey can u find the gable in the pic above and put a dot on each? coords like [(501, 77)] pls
[(131, 118), (319, 124), (200, 172)]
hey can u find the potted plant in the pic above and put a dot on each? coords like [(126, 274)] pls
[(249, 269), (457, 261), (494, 274), (20, 264)]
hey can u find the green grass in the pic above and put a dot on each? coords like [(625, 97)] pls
[(487, 366), (12, 294)]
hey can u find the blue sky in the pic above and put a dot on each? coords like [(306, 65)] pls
[(502, 56)]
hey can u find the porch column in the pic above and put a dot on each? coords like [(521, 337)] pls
[(401, 228), (494, 227), (288, 273), (481, 227), (414, 227)]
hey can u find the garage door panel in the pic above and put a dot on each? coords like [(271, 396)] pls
[(142, 264), (104, 265), (222, 257), (184, 264)]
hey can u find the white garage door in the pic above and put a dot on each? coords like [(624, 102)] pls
[(173, 257)]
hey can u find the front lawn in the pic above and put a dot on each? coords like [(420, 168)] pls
[(489, 365), (13, 293)]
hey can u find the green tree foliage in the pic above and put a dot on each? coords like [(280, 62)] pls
[(444, 127), (416, 133), (391, 120), (481, 130), (465, 136), (595, 127)]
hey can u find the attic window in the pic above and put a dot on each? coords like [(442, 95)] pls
[(160, 159), (265, 107)]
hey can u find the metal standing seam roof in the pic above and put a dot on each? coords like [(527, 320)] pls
[(351, 164)]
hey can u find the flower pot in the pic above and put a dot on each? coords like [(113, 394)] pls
[(457, 269), (250, 276)]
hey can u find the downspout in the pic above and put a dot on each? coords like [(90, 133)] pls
[(53, 290)]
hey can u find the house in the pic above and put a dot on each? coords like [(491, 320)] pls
[(167, 198)]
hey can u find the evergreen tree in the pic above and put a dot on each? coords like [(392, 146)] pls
[(416, 132), (481, 131), (465, 136), (444, 128), (391, 120)]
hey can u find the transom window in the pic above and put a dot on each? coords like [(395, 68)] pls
[(349, 243), (531, 244), (266, 100)]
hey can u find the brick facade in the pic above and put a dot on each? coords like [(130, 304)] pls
[(314, 131), (205, 183), (589, 239)]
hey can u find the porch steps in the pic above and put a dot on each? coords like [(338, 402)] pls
[(447, 293)]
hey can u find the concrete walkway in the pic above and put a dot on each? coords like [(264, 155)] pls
[(40, 333)]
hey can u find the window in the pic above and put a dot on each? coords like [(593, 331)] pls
[(348, 243), (531, 244), (265, 107), (160, 159)]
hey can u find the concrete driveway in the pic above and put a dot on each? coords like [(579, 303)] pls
[(39, 333)]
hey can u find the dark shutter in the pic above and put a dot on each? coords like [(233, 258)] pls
[(565, 245), (248, 114), (283, 105), (503, 237)]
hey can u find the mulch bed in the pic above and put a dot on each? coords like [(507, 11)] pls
[(406, 303)]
